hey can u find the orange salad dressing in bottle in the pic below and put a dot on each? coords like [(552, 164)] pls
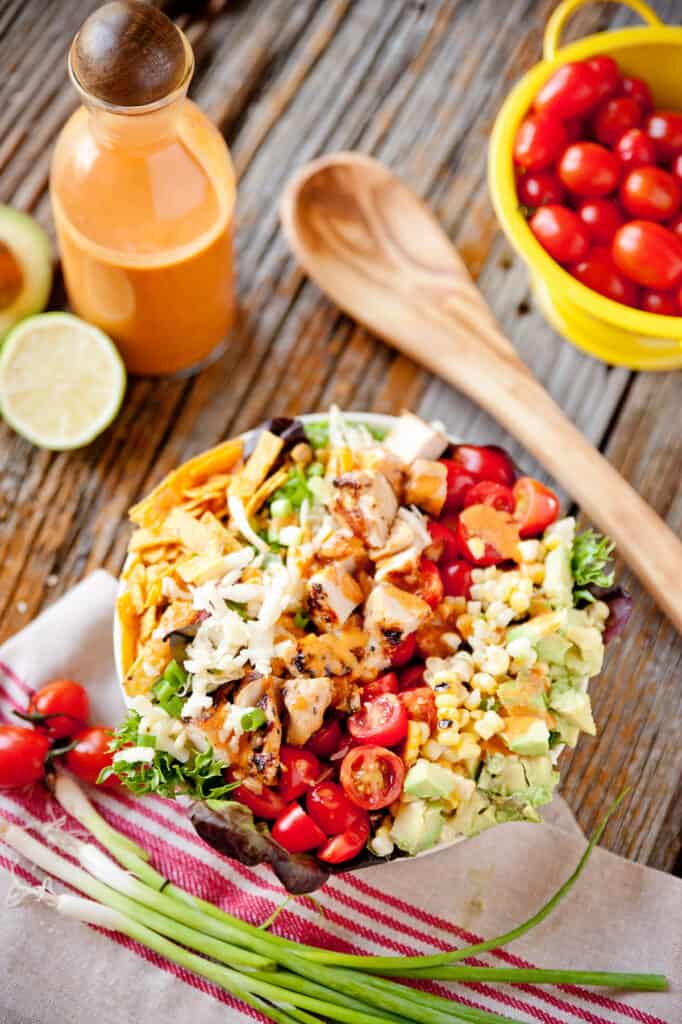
[(143, 195)]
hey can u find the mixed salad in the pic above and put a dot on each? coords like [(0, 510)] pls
[(345, 644)]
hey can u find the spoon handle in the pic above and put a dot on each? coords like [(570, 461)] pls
[(497, 380)]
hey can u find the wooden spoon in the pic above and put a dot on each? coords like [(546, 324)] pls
[(379, 253)]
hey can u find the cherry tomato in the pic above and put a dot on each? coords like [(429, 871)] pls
[(60, 708), (456, 578), (650, 193), (420, 704), (588, 169), (537, 188), (489, 556), (372, 777), (539, 141), (22, 756), (561, 232), (599, 272), (675, 225), (459, 480), (602, 218), (430, 587), (614, 117), (572, 90), (489, 493), (485, 462), (411, 676), (607, 75), (91, 755), (662, 303), (648, 254), (404, 651), (575, 129), (536, 506), (676, 167), (266, 804), (638, 91), (635, 149), (665, 128), (327, 739), (330, 808), (300, 769), (346, 846), (382, 721), (444, 542), (296, 831), (387, 683)]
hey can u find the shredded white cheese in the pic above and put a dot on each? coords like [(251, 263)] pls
[(241, 521)]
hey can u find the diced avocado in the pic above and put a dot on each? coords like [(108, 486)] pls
[(542, 779), (25, 268), (526, 735), (566, 732), (502, 776), (524, 780), (474, 815), (558, 582), (527, 690), (553, 649), (417, 826), (587, 638), (538, 627), (429, 781), (575, 708)]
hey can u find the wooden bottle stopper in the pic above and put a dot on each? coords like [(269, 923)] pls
[(129, 54)]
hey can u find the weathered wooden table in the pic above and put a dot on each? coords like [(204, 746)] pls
[(418, 85)]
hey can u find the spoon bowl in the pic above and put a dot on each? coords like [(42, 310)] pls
[(377, 251)]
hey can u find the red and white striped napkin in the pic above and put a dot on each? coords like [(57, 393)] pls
[(52, 971)]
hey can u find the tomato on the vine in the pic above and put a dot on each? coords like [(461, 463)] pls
[(650, 193), (561, 232), (589, 170), (602, 218), (600, 273), (60, 708), (649, 254), (382, 721), (22, 756), (372, 777), (536, 506), (91, 755)]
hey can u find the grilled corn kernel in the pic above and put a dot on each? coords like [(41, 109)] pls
[(484, 682), (381, 843), (432, 750), (489, 725), (531, 550), (465, 625), (448, 737), (474, 607), (451, 640), (534, 571), (417, 733), (473, 700), (496, 661), (459, 605), (519, 602), (467, 748), (446, 704), (538, 606)]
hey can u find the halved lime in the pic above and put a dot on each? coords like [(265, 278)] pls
[(62, 381)]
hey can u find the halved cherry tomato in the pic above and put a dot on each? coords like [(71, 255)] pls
[(267, 804), (346, 846), (651, 193), (330, 808), (638, 91), (22, 756), (60, 709), (537, 188), (588, 169), (676, 168), (665, 128), (382, 721), (387, 683), (372, 777), (599, 272), (91, 755), (607, 75), (430, 587), (296, 831), (485, 462), (675, 225), (459, 480), (648, 254), (635, 149), (299, 771), (327, 739), (602, 218), (444, 542), (536, 506), (561, 232), (539, 141), (489, 556), (614, 117), (571, 91), (411, 677), (456, 577), (420, 705), (487, 492), (404, 651), (662, 303)]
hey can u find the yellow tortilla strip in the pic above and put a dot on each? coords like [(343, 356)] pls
[(147, 667), (247, 481), (268, 487), (212, 487), (201, 568), (200, 538), (148, 623), (129, 622), (152, 511)]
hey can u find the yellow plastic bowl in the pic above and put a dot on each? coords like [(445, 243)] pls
[(607, 329)]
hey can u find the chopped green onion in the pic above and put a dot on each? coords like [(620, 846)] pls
[(253, 719), (280, 508), (301, 619), (240, 609), (170, 688), (315, 469)]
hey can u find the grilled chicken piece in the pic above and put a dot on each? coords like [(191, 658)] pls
[(210, 726), (426, 485), (343, 548), (411, 438), (306, 700), (337, 653), (394, 612), (404, 563), (333, 595), (365, 501), (401, 537), (381, 460)]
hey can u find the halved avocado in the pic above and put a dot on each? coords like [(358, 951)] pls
[(25, 268)]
